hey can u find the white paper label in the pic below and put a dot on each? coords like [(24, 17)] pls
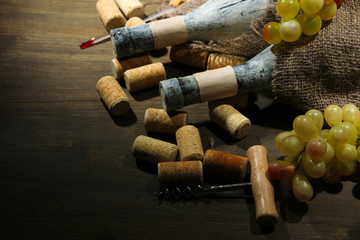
[(217, 84), (169, 32)]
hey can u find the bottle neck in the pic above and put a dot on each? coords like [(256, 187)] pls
[(218, 20)]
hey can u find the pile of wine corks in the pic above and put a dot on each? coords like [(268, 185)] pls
[(184, 163)]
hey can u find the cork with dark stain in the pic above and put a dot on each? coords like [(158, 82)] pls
[(186, 55), (180, 174), (224, 165)]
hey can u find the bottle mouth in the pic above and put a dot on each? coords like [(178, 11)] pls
[(171, 94)]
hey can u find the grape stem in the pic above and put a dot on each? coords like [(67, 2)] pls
[(299, 160)]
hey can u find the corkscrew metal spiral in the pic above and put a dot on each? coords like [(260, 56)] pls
[(188, 192)]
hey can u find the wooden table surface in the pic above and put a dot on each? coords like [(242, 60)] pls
[(66, 168)]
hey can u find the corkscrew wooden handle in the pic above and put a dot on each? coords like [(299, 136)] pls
[(266, 213)]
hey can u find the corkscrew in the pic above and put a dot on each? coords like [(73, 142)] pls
[(197, 191)]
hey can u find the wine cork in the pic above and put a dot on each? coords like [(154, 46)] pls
[(189, 143), (158, 120), (120, 66), (218, 60), (131, 8), (110, 14), (239, 101), (144, 77), (225, 165), (230, 120), (113, 95), (180, 174), (263, 191), (153, 150), (186, 55), (134, 21)]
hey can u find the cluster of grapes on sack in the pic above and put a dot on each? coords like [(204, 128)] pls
[(297, 17), (314, 151)]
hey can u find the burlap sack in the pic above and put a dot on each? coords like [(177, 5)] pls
[(323, 69), (314, 71)]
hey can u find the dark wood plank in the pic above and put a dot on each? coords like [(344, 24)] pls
[(66, 169)]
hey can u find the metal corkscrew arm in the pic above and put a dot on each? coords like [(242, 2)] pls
[(198, 191)]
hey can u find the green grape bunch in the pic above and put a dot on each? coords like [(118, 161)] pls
[(320, 145), (299, 17)]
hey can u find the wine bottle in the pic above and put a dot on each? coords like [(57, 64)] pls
[(252, 76), (214, 20)]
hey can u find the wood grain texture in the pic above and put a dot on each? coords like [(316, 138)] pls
[(66, 169)]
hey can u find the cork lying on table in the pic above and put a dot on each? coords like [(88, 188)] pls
[(189, 143), (110, 14), (230, 120), (113, 96), (120, 66), (180, 174), (186, 55), (153, 150), (224, 165), (131, 8), (144, 77), (158, 120)]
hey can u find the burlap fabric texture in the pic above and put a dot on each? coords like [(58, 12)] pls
[(314, 71), (323, 69)]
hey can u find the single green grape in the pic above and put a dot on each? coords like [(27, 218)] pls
[(305, 127), (317, 117), (290, 30), (315, 169), (316, 148), (348, 168), (311, 6), (287, 9), (346, 153), (280, 137), (337, 136), (333, 172), (328, 11), (350, 113), (310, 23), (333, 115), (302, 188), (351, 132), (271, 33), (292, 145)]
